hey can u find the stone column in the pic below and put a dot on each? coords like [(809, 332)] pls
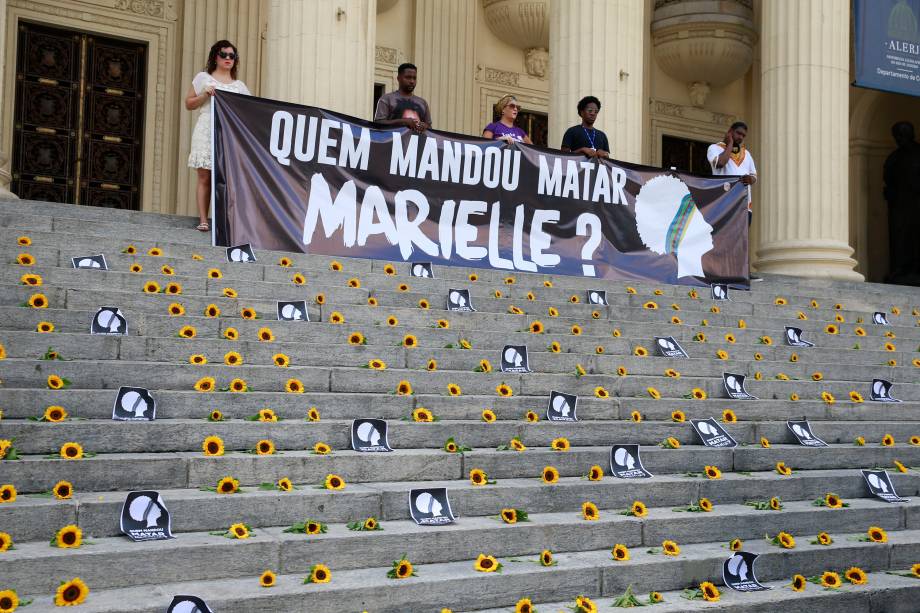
[(5, 176), (444, 53), (597, 47), (804, 146), (321, 53)]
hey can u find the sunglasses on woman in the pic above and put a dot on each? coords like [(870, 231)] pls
[(227, 56)]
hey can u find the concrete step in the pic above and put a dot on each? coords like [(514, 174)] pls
[(34, 566), (103, 435), (883, 592), (457, 585), (195, 510)]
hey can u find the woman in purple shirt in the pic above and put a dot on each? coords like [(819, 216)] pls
[(504, 129)]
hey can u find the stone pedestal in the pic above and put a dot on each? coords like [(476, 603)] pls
[(597, 47), (321, 54), (804, 210)]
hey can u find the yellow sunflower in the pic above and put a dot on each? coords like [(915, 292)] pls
[(71, 593)]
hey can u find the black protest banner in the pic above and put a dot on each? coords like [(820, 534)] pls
[(296, 178)]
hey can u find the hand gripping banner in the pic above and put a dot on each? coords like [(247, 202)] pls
[(296, 178)]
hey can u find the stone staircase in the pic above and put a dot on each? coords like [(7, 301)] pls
[(166, 454)]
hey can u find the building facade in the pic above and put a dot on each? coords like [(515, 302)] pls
[(92, 94)]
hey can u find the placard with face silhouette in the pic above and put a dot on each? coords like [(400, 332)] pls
[(880, 318), (597, 296), (625, 463), (719, 291), (738, 573), (668, 347), (134, 404), (514, 359), (109, 320), (430, 507), (801, 430), (144, 517), (794, 338), (880, 486), (712, 433), (90, 262), (734, 386), (369, 435), (562, 407), (188, 604), (881, 391), (241, 254), (422, 270), (292, 310), (459, 300)]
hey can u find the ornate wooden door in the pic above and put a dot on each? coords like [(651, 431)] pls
[(78, 123)]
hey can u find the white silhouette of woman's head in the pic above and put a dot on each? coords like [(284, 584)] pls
[(145, 509), (289, 311), (109, 320), (428, 504), (512, 356), (132, 402), (624, 458), (368, 433), (669, 223), (878, 484), (738, 567), (561, 406)]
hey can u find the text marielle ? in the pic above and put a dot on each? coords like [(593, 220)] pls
[(314, 140)]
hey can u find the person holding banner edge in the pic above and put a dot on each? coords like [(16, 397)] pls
[(731, 158), (407, 77), (585, 138), (504, 129), (220, 73)]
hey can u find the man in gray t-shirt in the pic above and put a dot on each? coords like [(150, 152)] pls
[(402, 108)]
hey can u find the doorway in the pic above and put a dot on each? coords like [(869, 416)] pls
[(685, 155), (78, 117)]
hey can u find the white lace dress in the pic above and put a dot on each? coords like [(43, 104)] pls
[(200, 155)]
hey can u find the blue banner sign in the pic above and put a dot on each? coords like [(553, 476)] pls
[(887, 45)]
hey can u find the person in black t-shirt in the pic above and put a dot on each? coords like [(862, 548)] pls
[(585, 138)]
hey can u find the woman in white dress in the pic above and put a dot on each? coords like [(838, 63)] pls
[(220, 73)]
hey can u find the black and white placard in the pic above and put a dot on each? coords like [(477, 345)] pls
[(188, 604), (430, 507), (712, 433), (95, 262), (880, 318), (668, 347), (369, 435), (625, 463), (597, 296), (134, 404), (794, 338), (880, 486), (109, 320), (144, 517), (422, 270), (738, 573), (241, 253), (734, 386), (881, 391), (801, 430), (514, 359), (292, 310), (562, 407), (719, 291), (459, 300)]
